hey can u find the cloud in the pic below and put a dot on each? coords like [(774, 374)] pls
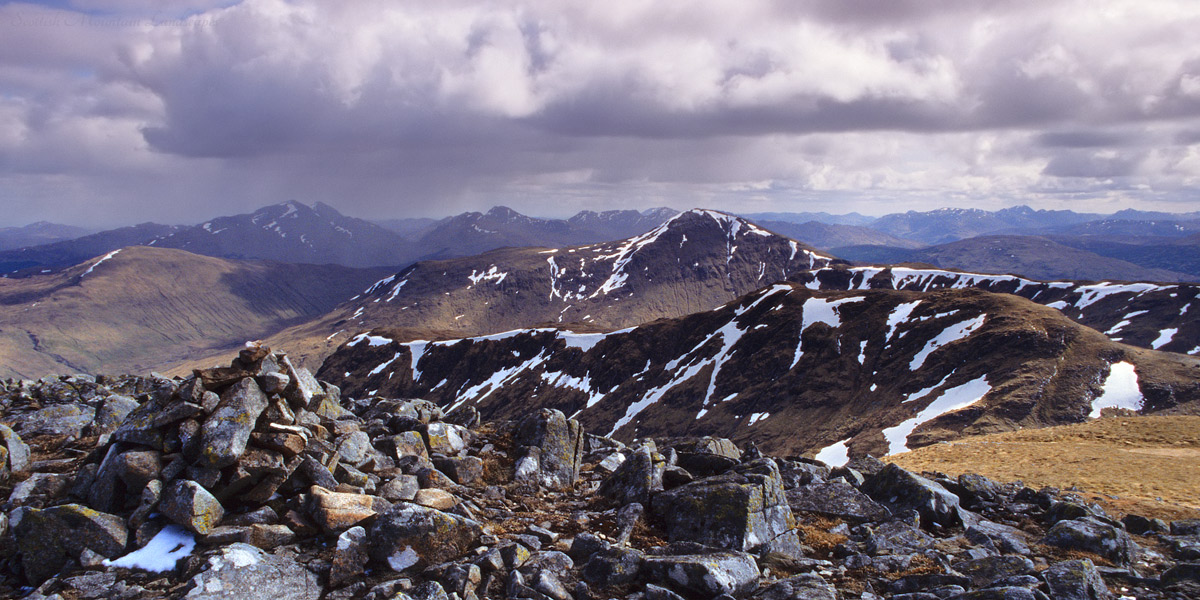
[(380, 107)]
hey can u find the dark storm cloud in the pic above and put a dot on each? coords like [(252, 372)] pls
[(177, 108)]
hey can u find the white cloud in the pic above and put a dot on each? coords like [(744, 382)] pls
[(667, 101)]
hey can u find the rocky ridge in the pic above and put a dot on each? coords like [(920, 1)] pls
[(259, 479), (792, 369)]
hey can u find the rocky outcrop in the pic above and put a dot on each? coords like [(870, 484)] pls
[(387, 498)]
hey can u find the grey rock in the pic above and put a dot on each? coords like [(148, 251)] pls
[(547, 583), (1075, 580), (637, 479), (1005, 538), (743, 510), (114, 410), (47, 539), (402, 487), (243, 571), (1185, 527), (350, 556), (39, 489), (464, 470), (613, 566), (1002, 593), (654, 592), (797, 473), (353, 447), (1139, 525), (225, 432), (627, 519), (18, 451), (836, 499), (409, 531), (63, 419), (900, 489), (1183, 572), (985, 571), (1092, 535), (733, 573), (187, 503), (559, 455), (808, 586), (446, 438)]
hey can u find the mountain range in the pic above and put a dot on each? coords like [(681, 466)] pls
[(141, 308), (793, 370)]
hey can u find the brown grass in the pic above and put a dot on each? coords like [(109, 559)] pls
[(1144, 465)]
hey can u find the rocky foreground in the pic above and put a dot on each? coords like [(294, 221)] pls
[(257, 481)]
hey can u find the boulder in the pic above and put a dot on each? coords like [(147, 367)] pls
[(743, 510), (836, 499), (338, 511), (1095, 536), (243, 571), (900, 489), (613, 566), (1075, 580), (707, 575), (225, 432), (637, 479), (446, 438), (559, 443), (18, 451), (706, 456), (808, 586), (114, 410), (67, 420), (187, 503), (435, 498), (464, 470), (350, 556), (408, 534), (983, 572), (48, 539)]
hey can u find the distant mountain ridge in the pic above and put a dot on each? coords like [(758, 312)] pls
[(140, 308), (36, 234)]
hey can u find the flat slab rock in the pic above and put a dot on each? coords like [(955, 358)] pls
[(245, 572)]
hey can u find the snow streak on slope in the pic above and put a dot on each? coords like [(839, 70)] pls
[(1120, 390), (819, 310), (952, 399), (948, 336), (99, 262)]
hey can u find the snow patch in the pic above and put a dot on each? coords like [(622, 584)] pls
[(1164, 337), (99, 262), (161, 553), (898, 316), (372, 340), (955, 398), (835, 455), (948, 336), (1120, 390)]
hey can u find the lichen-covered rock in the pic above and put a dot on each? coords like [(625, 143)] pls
[(18, 451), (225, 432), (243, 571), (114, 410), (187, 503), (63, 419), (1095, 536), (836, 499), (47, 539), (1075, 580), (446, 438), (984, 571), (808, 586), (464, 470), (745, 510), (559, 441), (897, 488), (637, 479), (350, 556), (733, 573), (613, 566), (408, 535), (706, 456)]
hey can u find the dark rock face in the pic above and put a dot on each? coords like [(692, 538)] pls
[(421, 535), (1075, 580), (1095, 536), (48, 538), (903, 490), (836, 499), (224, 434), (709, 575), (638, 477)]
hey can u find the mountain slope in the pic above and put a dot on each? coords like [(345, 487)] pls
[(951, 224), (49, 257), (1149, 315), (826, 236), (296, 233), (501, 227), (138, 309), (36, 234), (791, 369), (696, 261), (1037, 258)]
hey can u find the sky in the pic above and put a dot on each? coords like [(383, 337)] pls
[(121, 111)]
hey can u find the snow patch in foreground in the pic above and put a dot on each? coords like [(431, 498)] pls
[(952, 399), (161, 553), (1120, 390), (835, 455)]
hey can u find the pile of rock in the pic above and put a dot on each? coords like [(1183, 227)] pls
[(288, 491)]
